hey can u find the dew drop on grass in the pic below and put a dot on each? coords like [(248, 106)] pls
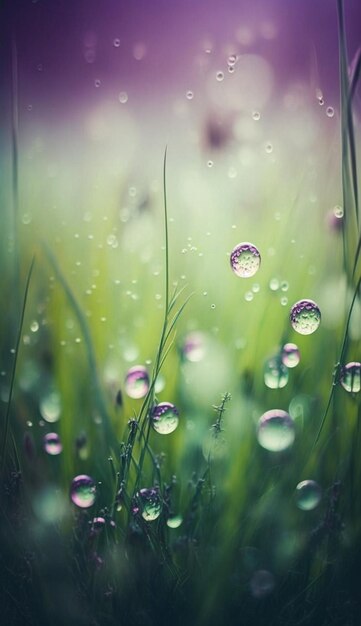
[(137, 382), (248, 296), (290, 355), (269, 148), (351, 377), (245, 260), (210, 163), (52, 444), (275, 373), (83, 491), (174, 521), (274, 284), (50, 407), (305, 317), (276, 430), (148, 504), (308, 495), (262, 583), (165, 418)]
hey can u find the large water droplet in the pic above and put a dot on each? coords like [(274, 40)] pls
[(245, 260), (52, 444), (351, 377), (50, 407), (276, 430), (290, 355), (148, 503), (137, 382), (165, 418), (305, 317), (275, 373), (308, 495), (83, 491), (215, 445)]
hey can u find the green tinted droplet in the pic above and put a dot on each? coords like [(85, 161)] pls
[(83, 491), (174, 521), (276, 430), (308, 495), (351, 377), (305, 317), (165, 418), (275, 373)]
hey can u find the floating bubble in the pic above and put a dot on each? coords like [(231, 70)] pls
[(83, 491), (50, 407), (305, 317), (148, 504), (262, 583), (165, 418), (308, 495), (52, 444), (194, 347), (137, 382), (275, 373), (351, 377), (290, 355), (174, 521), (245, 260), (276, 430)]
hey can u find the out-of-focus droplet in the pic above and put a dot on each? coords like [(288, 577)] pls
[(174, 521), (275, 373), (305, 317), (83, 491), (50, 407), (52, 444), (137, 382), (165, 418), (290, 355), (245, 260), (276, 430), (308, 495), (193, 348)]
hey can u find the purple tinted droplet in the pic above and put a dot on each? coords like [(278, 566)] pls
[(194, 347), (148, 503), (137, 382), (290, 355), (165, 418), (276, 430), (305, 317), (83, 491), (52, 444), (245, 260)]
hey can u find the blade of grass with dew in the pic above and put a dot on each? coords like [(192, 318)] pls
[(16, 354), (98, 393)]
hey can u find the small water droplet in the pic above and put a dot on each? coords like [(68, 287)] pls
[(174, 521), (220, 76), (274, 284), (245, 260), (308, 495), (52, 444), (147, 502), (275, 373), (305, 317), (276, 430), (137, 382), (269, 148), (290, 355), (351, 377), (210, 163), (116, 42), (256, 116), (83, 491), (338, 211), (165, 418), (330, 111), (123, 97), (189, 95)]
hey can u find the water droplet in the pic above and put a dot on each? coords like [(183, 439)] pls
[(193, 347), (34, 326), (338, 211), (269, 148), (276, 430), (330, 111), (351, 377), (220, 76), (255, 288), (284, 285), (123, 97), (232, 59), (308, 495), (174, 521), (116, 42), (165, 418), (97, 82), (305, 317), (52, 444), (245, 260), (97, 524), (290, 355), (148, 503), (275, 373), (256, 116), (189, 95), (83, 491), (274, 284), (50, 407), (248, 296), (210, 163), (262, 583), (137, 382)]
